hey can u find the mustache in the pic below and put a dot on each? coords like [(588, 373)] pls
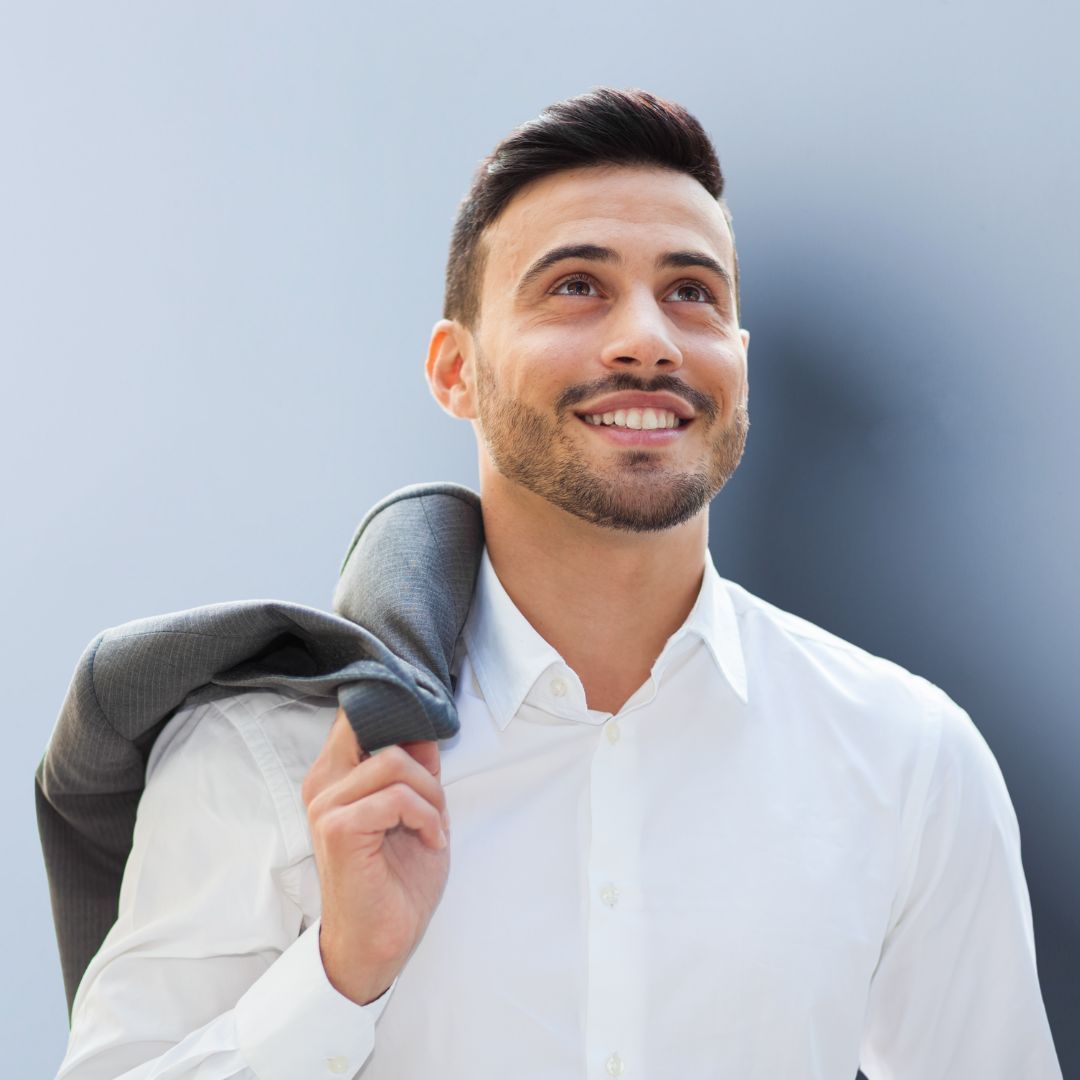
[(702, 404)]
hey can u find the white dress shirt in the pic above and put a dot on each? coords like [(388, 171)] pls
[(782, 858)]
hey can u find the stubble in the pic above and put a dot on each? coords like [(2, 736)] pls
[(637, 491)]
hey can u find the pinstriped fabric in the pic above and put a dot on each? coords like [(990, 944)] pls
[(401, 600)]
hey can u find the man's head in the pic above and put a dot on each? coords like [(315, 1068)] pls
[(592, 273)]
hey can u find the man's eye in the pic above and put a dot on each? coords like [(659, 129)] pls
[(581, 284), (703, 294)]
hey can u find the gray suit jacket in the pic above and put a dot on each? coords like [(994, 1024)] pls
[(402, 598)]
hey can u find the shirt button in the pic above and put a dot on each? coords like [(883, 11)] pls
[(558, 687), (610, 895), (337, 1065), (613, 732), (614, 1065)]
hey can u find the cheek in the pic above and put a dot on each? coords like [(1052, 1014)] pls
[(539, 365), (728, 368)]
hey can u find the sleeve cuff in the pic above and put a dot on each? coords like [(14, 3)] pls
[(292, 1022)]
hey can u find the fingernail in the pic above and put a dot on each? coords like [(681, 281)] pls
[(442, 839), (445, 819)]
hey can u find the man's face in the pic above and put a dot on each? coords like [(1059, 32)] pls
[(583, 365)]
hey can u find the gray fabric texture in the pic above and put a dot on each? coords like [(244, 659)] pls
[(386, 651)]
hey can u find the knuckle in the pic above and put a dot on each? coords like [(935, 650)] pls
[(334, 827), (399, 793), (316, 803), (320, 798), (387, 765), (393, 756), (311, 787)]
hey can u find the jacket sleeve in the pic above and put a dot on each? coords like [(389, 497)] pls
[(208, 971), (956, 991)]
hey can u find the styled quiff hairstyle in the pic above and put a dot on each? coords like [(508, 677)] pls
[(602, 127)]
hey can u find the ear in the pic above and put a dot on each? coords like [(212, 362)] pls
[(449, 369)]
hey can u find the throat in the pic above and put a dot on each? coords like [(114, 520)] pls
[(609, 693)]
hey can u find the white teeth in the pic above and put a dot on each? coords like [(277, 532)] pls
[(636, 419)]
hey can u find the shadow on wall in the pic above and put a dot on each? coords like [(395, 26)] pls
[(868, 503)]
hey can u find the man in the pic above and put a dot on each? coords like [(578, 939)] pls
[(692, 835)]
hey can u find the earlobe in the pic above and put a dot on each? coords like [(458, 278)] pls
[(449, 369)]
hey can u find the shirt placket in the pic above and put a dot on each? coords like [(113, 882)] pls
[(615, 1007)]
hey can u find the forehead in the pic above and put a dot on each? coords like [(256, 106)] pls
[(635, 210)]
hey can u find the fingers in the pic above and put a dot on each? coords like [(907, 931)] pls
[(340, 753), (392, 766), (375, 814), (427, 753)]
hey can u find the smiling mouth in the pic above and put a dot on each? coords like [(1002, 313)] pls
[(650, 440), (635, 419)]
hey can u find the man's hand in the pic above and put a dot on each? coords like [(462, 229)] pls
[(377, 825)]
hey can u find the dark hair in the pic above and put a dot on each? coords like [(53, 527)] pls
[(602, 127)]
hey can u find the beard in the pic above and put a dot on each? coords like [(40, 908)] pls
[(638, 491)]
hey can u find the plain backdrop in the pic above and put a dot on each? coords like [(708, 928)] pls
[(223, 230)]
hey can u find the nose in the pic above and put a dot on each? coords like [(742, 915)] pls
[(640, 336)]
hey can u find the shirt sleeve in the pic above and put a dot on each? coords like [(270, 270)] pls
[(956, 991), (207, 971)]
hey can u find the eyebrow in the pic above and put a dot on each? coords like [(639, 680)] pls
[(596, 253)]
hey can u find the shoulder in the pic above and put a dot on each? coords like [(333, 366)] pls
[(780, 644), (242, 754), (821, 690), (897, 728), (246, 723)]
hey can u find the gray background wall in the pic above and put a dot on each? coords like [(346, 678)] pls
[(222, 234)]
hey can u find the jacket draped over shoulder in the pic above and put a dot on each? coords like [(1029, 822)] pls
[(386, 651)]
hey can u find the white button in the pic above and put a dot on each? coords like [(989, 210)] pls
[(613, 732), (337, 1065), (558, 687), (614, 1065), (610, 895)]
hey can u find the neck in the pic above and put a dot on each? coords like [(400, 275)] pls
[(606, 600)]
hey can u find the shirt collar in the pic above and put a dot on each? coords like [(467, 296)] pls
[(508, 656)]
